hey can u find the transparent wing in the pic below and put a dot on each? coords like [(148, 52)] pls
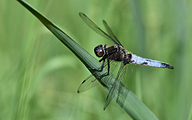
[(126, 73), (95, 28), (88, 83), (123, 75), (110, 32), (91, 81)]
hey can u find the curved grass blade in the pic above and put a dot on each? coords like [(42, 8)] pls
[(127, 100)]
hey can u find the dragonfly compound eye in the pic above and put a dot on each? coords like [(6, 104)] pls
[(99, 51)]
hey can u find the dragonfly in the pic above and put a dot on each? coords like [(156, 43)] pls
[(111, 56)]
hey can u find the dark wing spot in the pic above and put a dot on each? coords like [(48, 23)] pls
[(83, 81)]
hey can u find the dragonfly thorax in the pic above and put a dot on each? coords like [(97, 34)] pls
[(99, 51)]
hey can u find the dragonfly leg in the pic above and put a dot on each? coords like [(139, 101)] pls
[(106, 73), (108, 70), (108, 67), (100, 68), (125, 62)]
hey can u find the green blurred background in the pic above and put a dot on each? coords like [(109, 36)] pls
[(39, 76)]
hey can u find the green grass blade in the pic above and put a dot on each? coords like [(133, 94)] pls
[(126, 99)]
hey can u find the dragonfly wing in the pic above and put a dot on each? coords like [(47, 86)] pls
[(91, 81), (114, 89), (112, 93), (110, 32), (94, 27), (125, 73), (87, 84)]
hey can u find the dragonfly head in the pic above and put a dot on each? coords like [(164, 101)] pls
[(99, 51)]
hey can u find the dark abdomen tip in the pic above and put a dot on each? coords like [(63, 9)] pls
[(165, 65)]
